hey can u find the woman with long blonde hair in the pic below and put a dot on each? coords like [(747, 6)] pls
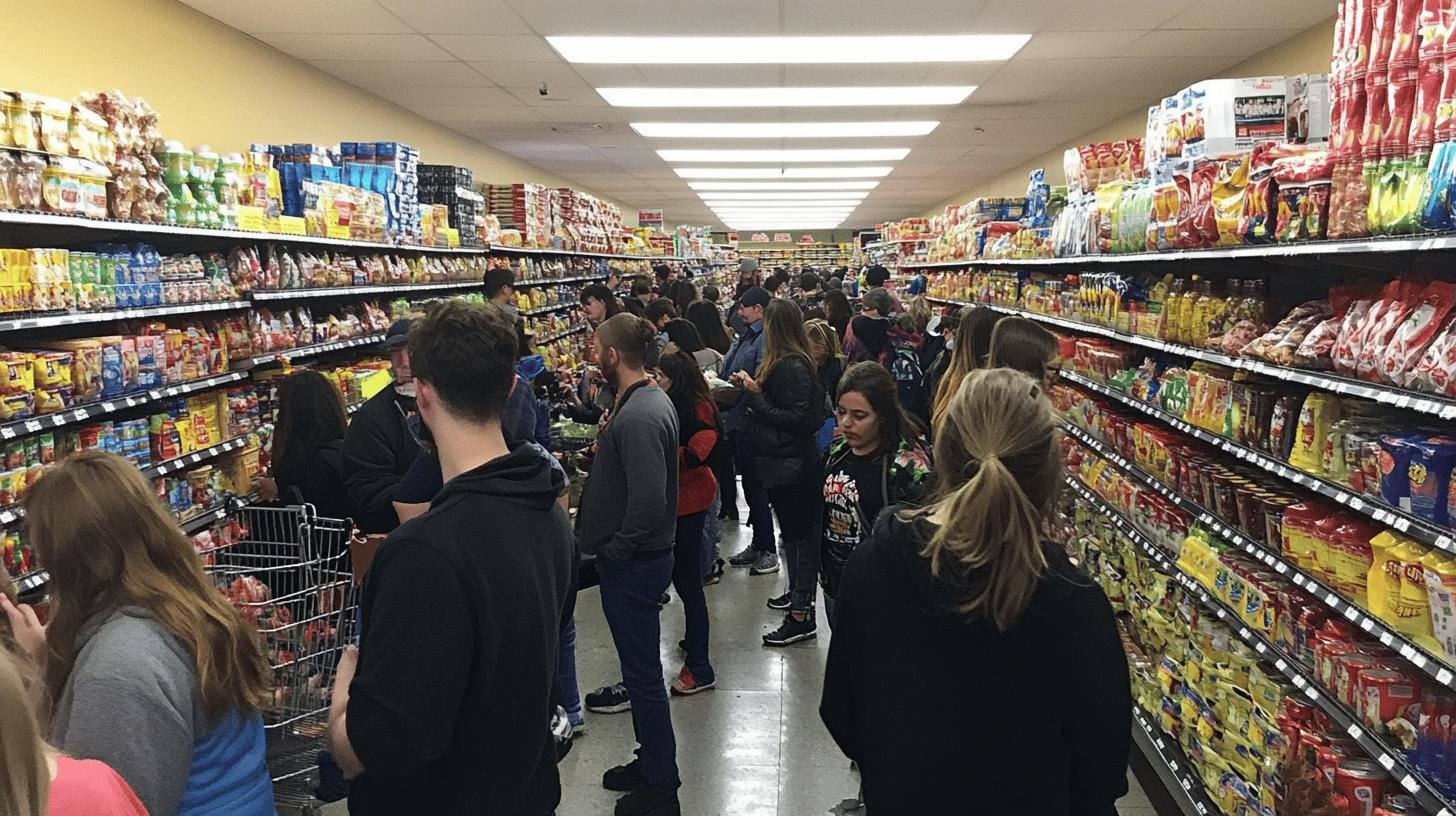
[(828, 356), (971, 661), (786, 405), (151, 668)]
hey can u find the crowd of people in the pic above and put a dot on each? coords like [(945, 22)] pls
[(903, 463)]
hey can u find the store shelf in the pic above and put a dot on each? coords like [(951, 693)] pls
[(506, 250), (1425, 243), (1433, 405), (1174, 769), (31, 583), (314, 350), (219, 511), (95, 410), (522, 284), (560, 307), (44, 321), (1394, 763), (361, 291), (187, 460), (97, 228), (581, 327), (1424, 531), (1428, 663)]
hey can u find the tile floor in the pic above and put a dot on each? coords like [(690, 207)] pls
[(753, 746)]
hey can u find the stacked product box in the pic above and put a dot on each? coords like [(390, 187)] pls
[(392, 170), (524, 208), (451, 187)]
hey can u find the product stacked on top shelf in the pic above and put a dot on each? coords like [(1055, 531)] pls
[(818, 256)]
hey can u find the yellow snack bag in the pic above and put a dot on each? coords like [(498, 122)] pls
[(1320, 411)]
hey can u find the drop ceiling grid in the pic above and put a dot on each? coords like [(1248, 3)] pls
[(476, 66)]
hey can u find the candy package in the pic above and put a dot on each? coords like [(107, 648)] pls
[(1280, 343), (1436, 371), (1417, 331)]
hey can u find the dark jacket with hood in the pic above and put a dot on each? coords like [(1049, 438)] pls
[(947, 715), (783, 416), (317, 479), (462, 607), (378, 450)]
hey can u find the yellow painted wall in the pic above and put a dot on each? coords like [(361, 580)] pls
[(214, 85), (1305, 53)]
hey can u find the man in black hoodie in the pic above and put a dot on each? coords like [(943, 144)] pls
[(450, 709), (381, 444)]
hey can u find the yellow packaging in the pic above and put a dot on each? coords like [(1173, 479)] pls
[(1384, 578), (1440, 575), (17, 372), (1319, 412), (1408, 597)]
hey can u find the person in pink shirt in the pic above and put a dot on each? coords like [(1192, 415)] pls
[(35, 779)]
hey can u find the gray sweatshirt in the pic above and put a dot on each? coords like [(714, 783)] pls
[(132, 701), (629, 504)]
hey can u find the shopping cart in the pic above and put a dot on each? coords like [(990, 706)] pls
[(290, 575)]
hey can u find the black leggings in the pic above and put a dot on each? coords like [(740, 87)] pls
[(795, 507), (687, 579)]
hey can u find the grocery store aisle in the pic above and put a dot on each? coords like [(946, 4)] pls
[(753, 746)]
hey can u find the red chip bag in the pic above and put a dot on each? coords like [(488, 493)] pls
[(1417, 331), (1383, 327), (1377, 114), (1346, 354), (1351, 124), (1436, 371), (1428, 95), (1404, 34), (1382, 35), (1400, 103), (1358, 30), (1198, 228)]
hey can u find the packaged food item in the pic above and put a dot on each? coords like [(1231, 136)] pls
[(1440, 574), (1436, 371), (1319, 412), (1416, 332), (1289, 332), (1396, 451), (1397, 302), (1430, 475)]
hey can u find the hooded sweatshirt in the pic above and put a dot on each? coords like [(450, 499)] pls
[(450, 710), (947, 715), (132, 701)]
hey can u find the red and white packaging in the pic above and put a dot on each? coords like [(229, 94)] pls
[(1417, 331), (1398, 304)]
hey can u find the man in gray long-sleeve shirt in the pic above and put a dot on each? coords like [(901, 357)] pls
[(627, 518)]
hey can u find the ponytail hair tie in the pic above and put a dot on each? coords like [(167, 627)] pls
[(973, 466)]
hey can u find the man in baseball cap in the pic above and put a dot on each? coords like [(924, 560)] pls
[(761, 556), (382, 441)]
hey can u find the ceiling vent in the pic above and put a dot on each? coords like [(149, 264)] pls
[(578, 128)]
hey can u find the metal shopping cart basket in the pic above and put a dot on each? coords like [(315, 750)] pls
[(290, 575)]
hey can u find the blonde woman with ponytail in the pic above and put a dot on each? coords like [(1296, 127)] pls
[(973, 668)]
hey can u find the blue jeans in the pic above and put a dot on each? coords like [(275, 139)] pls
[(712, 534), (568, 696), (687, 579), (760, 515), (632, 602)]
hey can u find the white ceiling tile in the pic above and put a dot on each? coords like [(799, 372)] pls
[(961, 73), (301, 16), (708, 76), (1021, 16), (609, 76), (574, 97), (572, 113), (451, 73), (529, 74), (458, 16), (471, 113), (416, 96), (489, 48), (495, 122), (808, 17), (1192, 42), (372, 47), (1078, 44), (638, 17), (1253, 14), (870, 75)]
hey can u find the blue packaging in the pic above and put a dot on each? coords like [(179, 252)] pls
[(1396, 451), (113, 374)]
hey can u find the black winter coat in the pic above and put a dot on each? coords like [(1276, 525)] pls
[(318, 479), (783, 416), (378, 451)]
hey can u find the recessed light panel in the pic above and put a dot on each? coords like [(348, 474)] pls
[(711, 197), (778, 97), (788, 50), (832, 155), (780, 130), (780, 172), (783, 185)]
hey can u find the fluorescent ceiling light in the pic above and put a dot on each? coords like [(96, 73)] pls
[(778, 97), (771, 196), (780, 130), (833, 155), (775, 225), (780, 172), (828, 205), (783, 185), (787, 50), (781, 213)]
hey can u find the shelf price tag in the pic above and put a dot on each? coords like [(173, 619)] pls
[(292, 225), (250, 219)]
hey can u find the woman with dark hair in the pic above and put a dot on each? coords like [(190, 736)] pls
[(971, 351), (308, 434), (698, 433), (686, 336), (838, 311), (972, 579), (878, 459), (683, 294), (785, 407), (1021, 345), (709, 322)]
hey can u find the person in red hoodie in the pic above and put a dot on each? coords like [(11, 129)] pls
[(698, 430)]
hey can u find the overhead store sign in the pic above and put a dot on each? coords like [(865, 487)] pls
[(806, 239), (783, 238), (649, 218), (759, 238), (732, 239)]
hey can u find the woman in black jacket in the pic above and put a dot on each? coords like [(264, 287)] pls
[(785, 408), (308, 434), (974, 669)]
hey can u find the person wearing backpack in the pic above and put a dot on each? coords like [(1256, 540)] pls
[(876, 337)]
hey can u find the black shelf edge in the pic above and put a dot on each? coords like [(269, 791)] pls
[(273, 295), (18, 428), (1373, 246), (45, 321), (1428, 533), (1174, 769), (315, 350)]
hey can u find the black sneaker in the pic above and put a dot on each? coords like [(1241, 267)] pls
[(609, 700), (781, 602), (625, 778), (647, 802), (747, 558), (791, 631), (715, 573)]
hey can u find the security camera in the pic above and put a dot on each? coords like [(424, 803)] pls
[(545, 89)]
